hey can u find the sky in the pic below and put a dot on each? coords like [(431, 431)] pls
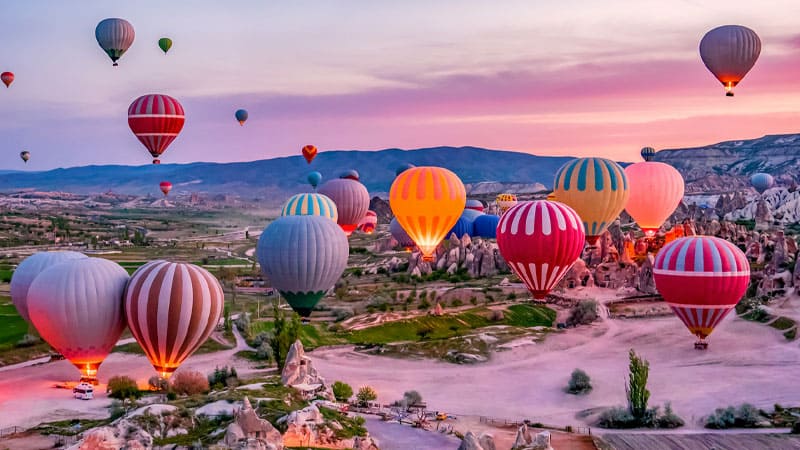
[(566, 77)]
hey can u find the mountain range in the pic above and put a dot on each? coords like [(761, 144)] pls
[(715, 167)]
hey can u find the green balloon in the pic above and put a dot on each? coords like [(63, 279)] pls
[(165, 44)]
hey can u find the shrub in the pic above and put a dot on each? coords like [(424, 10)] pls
[(456, 302), (223, 377), (157, 383), (122, 387), (365, 395), (579, 383), (583, 313), (342, 391), (512, 296), (496, 315), (424, 331), (411, 398), (28, 340), (636, 390), (423, 305), (617, 417), (669, 419), (264, 352), (473, 300), (189, 382), (745, 416), (340, 314), (117, 409)]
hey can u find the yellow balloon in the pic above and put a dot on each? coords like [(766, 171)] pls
[(596, 188), (427, 202), (505, 201)]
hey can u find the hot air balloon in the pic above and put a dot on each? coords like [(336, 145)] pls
[(540, 240), (729, 52), (165, 44), (762, 182), (485, 226), (165, 187), (402, 168), (656, 190), (551, 197), (368, 222), (314, 178), (115, 37), (475, 205), (427, 202), (303, 257), (76, 306), (648, 153), (27, 271), (25, 155), (241, 116), (702, 278), (310, 205), (309, 153), (400, 235), (171, 310), (505, 201), (465, 224), (350, 175), (352, 201), (156, 120), (596, 188), (7, 78)]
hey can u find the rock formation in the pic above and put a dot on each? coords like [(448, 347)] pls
[(299, 372), (525, 440), (472, 442), (248, 431), (308, 428), (121, 434)]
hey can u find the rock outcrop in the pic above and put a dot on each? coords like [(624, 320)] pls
[(248, 431), (122, 434), (471, 442), (299, 372), (526, 440)]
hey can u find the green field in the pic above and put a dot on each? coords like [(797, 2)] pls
[(311, 335), (12, 326)]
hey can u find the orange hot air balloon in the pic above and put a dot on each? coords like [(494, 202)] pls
[(427, 202), (309, 153), (656, 190), (165, 187)]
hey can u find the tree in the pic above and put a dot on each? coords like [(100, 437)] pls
[(284, 334), (122, 387), (579, 382), (410, 398), (189, 382), (365, 395), (636, 390), (583, 313), (342, 391)]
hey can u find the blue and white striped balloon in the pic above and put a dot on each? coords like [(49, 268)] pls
[(310, 205)]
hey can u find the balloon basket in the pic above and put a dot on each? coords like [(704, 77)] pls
[(89, 380), (701, 345)]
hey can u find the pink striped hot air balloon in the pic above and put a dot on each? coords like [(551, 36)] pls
[(702, 278), (171, 309), (540, 240), (156, 120)]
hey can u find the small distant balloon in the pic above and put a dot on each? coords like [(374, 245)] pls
[(165, 187), (25, 155), (350, 175), (762, 181), (309, 153), (241, 116), (403, 168), (648, 153), (314, 179), (115, 36), (165, 44), (7, 78)]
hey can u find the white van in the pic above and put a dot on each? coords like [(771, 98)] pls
[(83, 391)]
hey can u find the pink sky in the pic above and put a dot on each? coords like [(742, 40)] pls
[(558, 78)]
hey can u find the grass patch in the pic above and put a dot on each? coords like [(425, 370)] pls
[(13, 326), (782, 323), (312, 335), (209, 346), (351, 426), (70, 427)]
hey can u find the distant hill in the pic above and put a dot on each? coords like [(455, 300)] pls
[(280, 176)]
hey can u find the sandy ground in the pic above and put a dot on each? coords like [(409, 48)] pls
[(745, 362), (393, 436)]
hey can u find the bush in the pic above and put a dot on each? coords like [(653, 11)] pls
[(189, 382), (424, 304), (583, 313), (669, 419), (223, 377), (424, 331), (579, 383), (28, 340), (116, 410), (496, 315), (157, 383), (411, 398), (745, 416), (456, 302), (342, 391), (264, 352), (617, 417), (122, 387), (340, 314), (365, 395)]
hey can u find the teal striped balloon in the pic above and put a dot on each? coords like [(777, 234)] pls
[(310, 205)]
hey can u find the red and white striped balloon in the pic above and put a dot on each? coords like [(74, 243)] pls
[(156, 120), (702, 278), (171, 309), (540, 240)]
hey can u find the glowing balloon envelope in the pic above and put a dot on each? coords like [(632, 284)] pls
[(156, 120), (309, 153), (729, 52), (165, 44), (352, 201), (172, 308), (762, 181), (241, 116), (27, 271), (76, 306), (702, 278), (427, 202), (7, 78), (656, 190), (115, 36), (310, 205), (303, 257), (540, 240), (596, 188)]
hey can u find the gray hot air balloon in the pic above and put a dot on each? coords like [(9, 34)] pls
[(303, 257), (115, 37), (729, 52), (352, 201), (400, 235), (27, 271), (76, 306)]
